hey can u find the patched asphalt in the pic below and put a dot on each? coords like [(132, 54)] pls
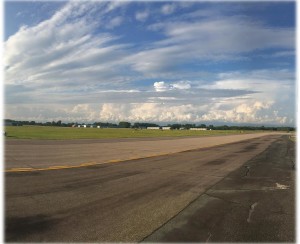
[(255, 203)]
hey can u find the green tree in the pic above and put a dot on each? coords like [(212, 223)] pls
[(210, 127), (124, 124)]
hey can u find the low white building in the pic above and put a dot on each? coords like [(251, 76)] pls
[(98, 126), (79, 126), (198, 128), (84, 126), (166, 128), (153, 128)]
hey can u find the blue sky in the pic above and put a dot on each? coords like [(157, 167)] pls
[(200, 62)]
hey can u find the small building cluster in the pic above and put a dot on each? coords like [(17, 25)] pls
[(153, 128), (169, 128), (159, 128), (86, 126), (148, 128)]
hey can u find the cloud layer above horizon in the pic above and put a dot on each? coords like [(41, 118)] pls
[(151, 61)]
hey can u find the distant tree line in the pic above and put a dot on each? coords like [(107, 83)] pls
[(138, 125), (144, 125), (105, 125)]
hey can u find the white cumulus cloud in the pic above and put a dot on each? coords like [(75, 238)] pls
[(142, 16), (161, 86), (71, 67)]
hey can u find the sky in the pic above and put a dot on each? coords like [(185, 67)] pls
[(164, 62)]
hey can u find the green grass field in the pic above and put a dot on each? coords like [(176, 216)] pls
[(59, 133)]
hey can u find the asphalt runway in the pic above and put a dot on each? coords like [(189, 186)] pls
[(255, 203), (41, 154), (158, 199)]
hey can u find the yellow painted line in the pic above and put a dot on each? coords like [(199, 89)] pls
[(21, 168), (115, 160), (110, 161), (88, 164), (82, 165), (58, 167)]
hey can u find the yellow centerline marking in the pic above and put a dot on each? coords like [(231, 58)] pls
[(88, 164), (21, 168)]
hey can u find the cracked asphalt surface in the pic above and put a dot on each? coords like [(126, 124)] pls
[(255, 203), (241, 191)]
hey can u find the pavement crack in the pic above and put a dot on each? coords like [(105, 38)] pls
[(189, 204), (293, 164), (220, 198), (247, 170), (251, 210), (209, 236)]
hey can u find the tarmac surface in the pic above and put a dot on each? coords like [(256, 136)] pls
[(41, 154), (242, 191), (255, 203)]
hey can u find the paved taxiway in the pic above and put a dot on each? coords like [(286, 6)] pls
[(150, 198), (41, 154)]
